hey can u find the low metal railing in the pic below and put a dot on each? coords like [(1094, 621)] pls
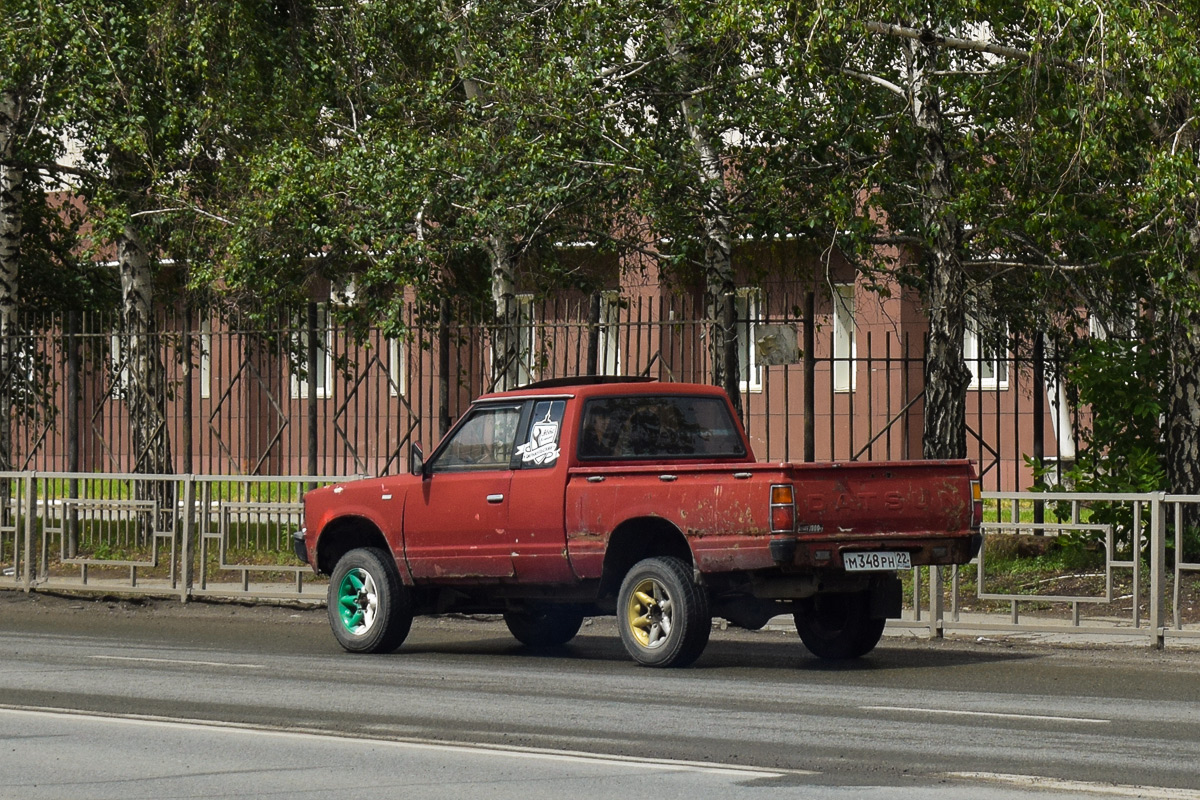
[(230, 537), (1128, 536), (184, 535)]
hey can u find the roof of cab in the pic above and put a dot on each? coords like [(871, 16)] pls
[(603, 384)]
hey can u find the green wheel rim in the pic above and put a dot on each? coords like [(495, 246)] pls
[(358, 601)]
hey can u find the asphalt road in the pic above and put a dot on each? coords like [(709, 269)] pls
[(116, 699)]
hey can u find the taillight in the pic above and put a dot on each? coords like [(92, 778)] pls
[(976, 504), (783, 508)]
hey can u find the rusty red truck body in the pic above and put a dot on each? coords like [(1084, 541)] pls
[(642, 499)]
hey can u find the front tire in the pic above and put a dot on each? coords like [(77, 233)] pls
[(837, 627), (663, 616), (368, 604), (548, 626)]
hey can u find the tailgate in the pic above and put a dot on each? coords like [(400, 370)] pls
[(894, 498), (883, 516)]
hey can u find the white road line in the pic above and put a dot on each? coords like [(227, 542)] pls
[(184, 662), (1083, 787), (549, 754), (994, 714)]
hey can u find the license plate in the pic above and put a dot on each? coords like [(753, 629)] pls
[(876, 562)]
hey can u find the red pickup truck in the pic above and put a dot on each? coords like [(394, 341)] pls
[(565, 499)]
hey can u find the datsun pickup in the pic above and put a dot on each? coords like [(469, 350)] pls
[(639, 499)]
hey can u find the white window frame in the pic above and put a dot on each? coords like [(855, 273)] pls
[(749, 315), (845, 339), (608, 360), (205, 359), (397, 368), (526, 333), (120, 369), (973, 355), (526, 340), (324, 365)]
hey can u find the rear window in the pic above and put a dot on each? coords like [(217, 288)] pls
[(658, 427)]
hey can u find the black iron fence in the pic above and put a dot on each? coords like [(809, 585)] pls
[(309, 397)]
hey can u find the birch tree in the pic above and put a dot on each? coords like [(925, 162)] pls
[(720, 137), (1134, 160), (930, 78), (452, 155), (160, 94), (29, 47)]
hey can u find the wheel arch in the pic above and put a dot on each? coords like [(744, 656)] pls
[(344, 534), (637, 539)]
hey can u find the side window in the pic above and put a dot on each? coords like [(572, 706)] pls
[(483, 442), (541, 450), (658, 427)]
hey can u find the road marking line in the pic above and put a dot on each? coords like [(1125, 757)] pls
[(180, 661), (1106, 789), (996, 714), (549, 754)]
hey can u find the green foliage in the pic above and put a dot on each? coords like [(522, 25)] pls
[(1120, 451), (1120, 382), (270, 148)]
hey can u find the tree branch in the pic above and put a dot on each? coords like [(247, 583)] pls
[(875, 79), (929, 37)]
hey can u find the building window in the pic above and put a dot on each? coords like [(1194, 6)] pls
[(526, 340), (397, 368), (845, 345), (205, 359), (749, 315), (989, 369), (608, 359), (526, 368), (302, 347), (119, 354)]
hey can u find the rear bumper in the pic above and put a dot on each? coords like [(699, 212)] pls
[(792, 552)]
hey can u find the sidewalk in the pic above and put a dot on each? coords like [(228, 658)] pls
[(1031, 630)]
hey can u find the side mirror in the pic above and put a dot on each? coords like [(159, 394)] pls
[(416, 460)]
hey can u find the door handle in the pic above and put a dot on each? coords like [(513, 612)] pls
[(495, 498)]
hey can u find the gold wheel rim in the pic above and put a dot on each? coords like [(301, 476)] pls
[(649, 613)]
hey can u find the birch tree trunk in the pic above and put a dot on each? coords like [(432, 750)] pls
[(12, 179), (946, 375), (506, 351), (720, 288), (506, 346), (1183, 375), (146, 386), (1183, 409)]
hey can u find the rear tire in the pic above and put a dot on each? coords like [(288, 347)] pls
[(663, 616), (550, 625), (837, 627), (368, 606)]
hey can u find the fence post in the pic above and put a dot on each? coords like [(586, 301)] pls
[(593, 334), (30, 511), (1039, 425), (810, 371), (186, 432), (312, 354), (1158, 567), (189, 526), (936, 604)]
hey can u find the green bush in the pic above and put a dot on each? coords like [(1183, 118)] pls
[(1121, 449)]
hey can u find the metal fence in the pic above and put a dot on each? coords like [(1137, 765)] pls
[(309, 397), (216, 536), (229, 538)]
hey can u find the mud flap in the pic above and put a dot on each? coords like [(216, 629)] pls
[(886, 597)]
